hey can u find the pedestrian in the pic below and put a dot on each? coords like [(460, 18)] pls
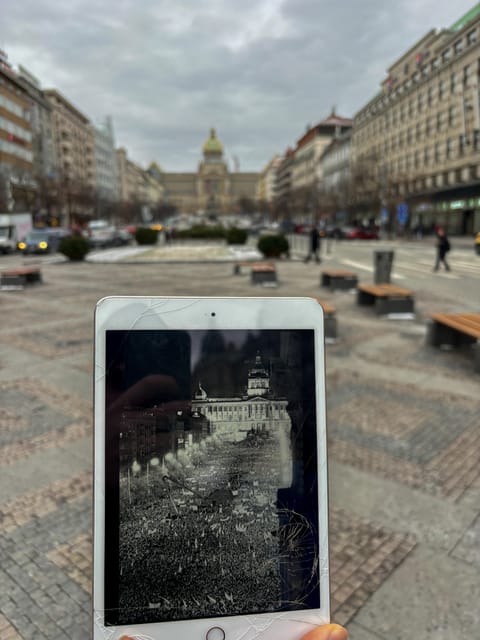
[(443, 247), (314, 244)]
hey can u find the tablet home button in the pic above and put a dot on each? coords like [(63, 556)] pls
[(215, 633)]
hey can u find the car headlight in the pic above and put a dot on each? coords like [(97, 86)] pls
[(22, 246), (42, 245)]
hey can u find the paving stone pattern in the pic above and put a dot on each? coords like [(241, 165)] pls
[(396, 431)]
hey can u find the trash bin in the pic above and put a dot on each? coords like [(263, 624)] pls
[(383, 261)]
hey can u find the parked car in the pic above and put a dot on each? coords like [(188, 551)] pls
[(103, 234), (361, 233), (42, 240)]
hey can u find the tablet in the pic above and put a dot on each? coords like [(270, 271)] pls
[(210, 474)]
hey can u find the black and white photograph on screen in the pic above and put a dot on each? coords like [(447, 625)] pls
[(211, 474)]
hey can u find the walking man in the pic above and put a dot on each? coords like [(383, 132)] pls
[(443, 247), (314, 244)]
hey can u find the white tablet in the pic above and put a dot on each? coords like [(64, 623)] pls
[(210, 505)]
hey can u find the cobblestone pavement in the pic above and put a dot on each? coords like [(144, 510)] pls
[(403, 436)]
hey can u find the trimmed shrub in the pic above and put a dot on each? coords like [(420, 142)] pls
[(145, 235), (236, 236), (273, 246), (201, 232), (74, 247)]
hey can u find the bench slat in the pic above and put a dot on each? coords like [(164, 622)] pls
[(468, 323), (384, 290)]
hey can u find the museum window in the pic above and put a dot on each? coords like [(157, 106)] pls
[(458, 46)]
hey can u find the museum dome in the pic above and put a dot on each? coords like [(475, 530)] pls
[(213, 144)]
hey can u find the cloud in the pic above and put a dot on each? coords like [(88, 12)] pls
[(259, 70)]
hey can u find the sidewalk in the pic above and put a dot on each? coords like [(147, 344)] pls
[(403, 443)]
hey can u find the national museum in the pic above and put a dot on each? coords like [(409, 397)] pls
[(213, 188)]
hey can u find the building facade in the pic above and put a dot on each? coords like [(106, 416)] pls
[(335, 169), (213, 189), (418, 140), (16, 139), (44, 160), (267, 182), (74, 141), (105, 161), (306, 169)]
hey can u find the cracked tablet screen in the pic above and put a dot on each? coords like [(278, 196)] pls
[(211, 489)]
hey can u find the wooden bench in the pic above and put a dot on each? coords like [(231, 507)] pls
[(455, 329), (387, 298), (329, 319), (21, 276), (263, 273), (338, 279)]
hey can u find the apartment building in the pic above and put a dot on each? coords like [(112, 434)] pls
[(418, 139), (44, 161), (335, 169), (306, 171), (74, 142), (267, 181), (105, 161), (284, 184), (16, 153)]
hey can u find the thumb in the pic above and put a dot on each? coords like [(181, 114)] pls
[(327, 632)]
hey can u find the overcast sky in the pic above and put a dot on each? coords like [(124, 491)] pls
[(259, 71)]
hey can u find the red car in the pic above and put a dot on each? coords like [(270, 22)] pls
[(361, 233)]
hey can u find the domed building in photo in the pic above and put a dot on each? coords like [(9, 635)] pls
[(213, 189)]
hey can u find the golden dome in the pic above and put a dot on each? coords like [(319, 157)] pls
[(213, 144)]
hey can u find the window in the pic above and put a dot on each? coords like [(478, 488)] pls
[(446, 56), (418, 131), (466, 74), (435, 63), (451, 116), (410, 109), (448, 148), (428, 126), (439, 121), (426, 156), (476, 140), (472, 37), (416, 160), (429, 96), (458, 46), (437, 152), (441, 89), (420, 102), (461, 144), (453, 80)]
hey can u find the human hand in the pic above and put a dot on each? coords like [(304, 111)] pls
[(327, 632)]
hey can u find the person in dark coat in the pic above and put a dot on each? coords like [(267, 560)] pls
[(314, 245), (443, 247)]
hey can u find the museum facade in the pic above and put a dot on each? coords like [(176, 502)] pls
[(213, 189)]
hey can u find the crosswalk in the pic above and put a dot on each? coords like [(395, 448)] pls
[(414, 263)]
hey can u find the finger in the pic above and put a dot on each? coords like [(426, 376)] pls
[(327, 632)]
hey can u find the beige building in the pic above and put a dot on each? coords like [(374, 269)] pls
[(418, 140), (213, 188), (305, 171), (74, 141), (267, 181), (16, 136)]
